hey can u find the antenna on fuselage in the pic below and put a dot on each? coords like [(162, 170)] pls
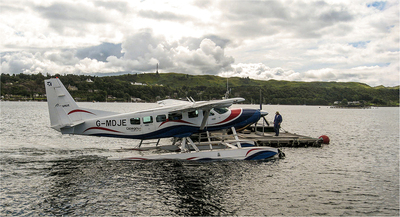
[(190, 99)]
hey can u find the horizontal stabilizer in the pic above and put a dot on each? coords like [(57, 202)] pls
[(74, 124)]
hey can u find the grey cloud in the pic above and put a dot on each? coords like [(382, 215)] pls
[(336, 16), (309, 20), (251, 19), (15, 62), (279, 72), (141, 43), (100, 52), (146, 49), (250, 10), (33, 62), (115, 5), (76, 12), (74, 15), (202, 3), (65, 57), (5, 8), (164, 16), (221, 42), (194, 43), (251, 29), (143, 50), (210, 58)]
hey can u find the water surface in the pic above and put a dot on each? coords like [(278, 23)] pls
[(45, 173)]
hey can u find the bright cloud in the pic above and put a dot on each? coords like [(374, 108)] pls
[(288, 40)]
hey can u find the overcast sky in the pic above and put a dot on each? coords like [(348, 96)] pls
[(336, 40)]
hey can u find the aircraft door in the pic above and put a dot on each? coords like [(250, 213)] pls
[(148, 124)]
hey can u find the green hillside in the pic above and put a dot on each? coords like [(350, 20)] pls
[(152, 87)]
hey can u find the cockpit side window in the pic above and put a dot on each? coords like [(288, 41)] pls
[(211, 113), (221, 110), (193, 114)]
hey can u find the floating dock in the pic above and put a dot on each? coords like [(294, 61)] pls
[(265, 136), (285, 139)]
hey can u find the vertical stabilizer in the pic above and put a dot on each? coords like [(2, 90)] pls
[(64, 112), (60, 104)]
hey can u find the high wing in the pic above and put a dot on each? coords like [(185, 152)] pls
[(204, 105), (186, 106)]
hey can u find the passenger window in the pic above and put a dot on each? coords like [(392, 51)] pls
[(221, 110), (135, 121), (193, 114), (147, 119), (174, 116), (161, 118)]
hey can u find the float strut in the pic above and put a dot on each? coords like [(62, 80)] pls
[(192, 144), (236, 137)]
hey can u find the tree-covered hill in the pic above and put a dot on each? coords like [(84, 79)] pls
[(153, 86)]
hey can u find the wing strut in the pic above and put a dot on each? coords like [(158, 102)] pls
[(206, 113)]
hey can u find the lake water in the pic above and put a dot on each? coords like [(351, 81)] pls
[(45, 173)]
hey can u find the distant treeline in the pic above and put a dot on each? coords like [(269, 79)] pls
[(152, 87)]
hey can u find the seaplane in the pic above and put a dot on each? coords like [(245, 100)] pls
[(176, 119)]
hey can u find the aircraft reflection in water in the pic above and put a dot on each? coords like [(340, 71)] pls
[(173, 118)]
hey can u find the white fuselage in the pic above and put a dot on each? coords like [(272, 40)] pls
[(162, 122)]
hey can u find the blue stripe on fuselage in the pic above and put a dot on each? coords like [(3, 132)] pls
[(261, 155), (248, 116)]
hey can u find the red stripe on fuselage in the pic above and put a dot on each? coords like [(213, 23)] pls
[(234, 114), (253, 150), (101, 128), (80, 110)]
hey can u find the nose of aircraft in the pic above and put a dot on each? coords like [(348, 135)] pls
[(250, 116)]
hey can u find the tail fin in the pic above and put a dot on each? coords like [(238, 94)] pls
[(60, 104), (64, 112)]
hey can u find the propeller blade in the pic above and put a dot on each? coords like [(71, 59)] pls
[(265, 120)]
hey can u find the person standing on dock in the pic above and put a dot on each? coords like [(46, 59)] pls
[(277, 123)]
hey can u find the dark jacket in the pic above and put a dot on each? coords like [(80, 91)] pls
[(278, 119)]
